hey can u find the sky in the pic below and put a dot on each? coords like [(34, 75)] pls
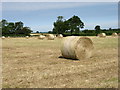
[(40, 16)]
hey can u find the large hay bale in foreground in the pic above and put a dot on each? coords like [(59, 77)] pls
[(102, 35), (114, 34), (41, 37), (60, 36), (75, 47), (51, 37)]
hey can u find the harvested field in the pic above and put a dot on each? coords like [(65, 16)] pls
[(34, 63)]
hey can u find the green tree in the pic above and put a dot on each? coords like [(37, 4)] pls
[(5, 29), (50, 32), (97, 28), (59, 26), (75, 24), (11, 27), (26, 30), (4, 22), (110, 28), (60, 18), (37, 31), (18, 25)]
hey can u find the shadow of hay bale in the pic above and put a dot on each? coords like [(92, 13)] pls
[(68, 58)]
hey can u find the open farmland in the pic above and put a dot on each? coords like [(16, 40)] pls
[(35, 63)]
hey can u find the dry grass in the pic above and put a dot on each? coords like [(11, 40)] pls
[(34, 63)]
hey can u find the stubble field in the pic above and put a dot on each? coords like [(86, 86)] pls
[(35, 63)]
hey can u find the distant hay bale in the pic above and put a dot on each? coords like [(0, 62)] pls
[(27, 37), (60, 36), (114, 34), (3, 37), (41, 37), (98, 35), (55, 36), (8, 37), (51, 37), (75, 47), (102, 35)]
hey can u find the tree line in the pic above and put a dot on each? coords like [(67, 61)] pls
[(14, 29), (73, 25), (68, 27)]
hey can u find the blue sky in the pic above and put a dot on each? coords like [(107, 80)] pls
[(39, 16)]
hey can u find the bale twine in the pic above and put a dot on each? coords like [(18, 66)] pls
[(102, 35), (3, 37), (75, 47), (27, 37), (41, 37), (51, 37), (114, 34), (60, 36)]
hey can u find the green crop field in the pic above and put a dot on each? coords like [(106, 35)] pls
[(35, 63)]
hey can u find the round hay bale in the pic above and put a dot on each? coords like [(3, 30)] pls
[(3, 37), (41, 37), (55, 36), (60, 36), (98, 35), (114, 34), (102, 35), (51, 37), (75, 47), (27, 37)]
